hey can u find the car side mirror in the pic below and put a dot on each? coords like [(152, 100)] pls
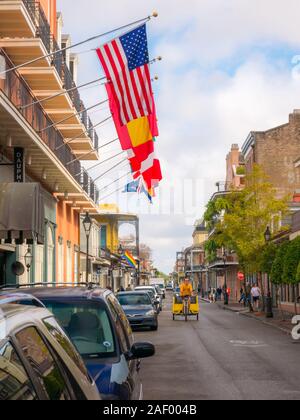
[(141, 351)]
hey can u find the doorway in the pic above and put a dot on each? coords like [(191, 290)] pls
[(2, 268)]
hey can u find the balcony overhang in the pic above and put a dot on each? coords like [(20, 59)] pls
[(23, 50), (41, 78), (15, 20), (45, 82), (45, 167)]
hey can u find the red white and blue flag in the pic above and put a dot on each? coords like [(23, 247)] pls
[(125, 61)]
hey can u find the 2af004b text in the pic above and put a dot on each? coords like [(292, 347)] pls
[(151, 410)]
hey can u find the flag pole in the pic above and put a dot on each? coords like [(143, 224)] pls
[(146, 19)]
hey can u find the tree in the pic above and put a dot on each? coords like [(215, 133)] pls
[(248, 213), (278, 264), (290, 268), (267, 258)]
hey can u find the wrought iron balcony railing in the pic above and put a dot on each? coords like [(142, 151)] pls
[(43, 31), (17, 91)]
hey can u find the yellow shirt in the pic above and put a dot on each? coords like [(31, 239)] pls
[(186, 290)]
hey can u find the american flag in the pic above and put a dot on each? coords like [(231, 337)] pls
[(125, 61)]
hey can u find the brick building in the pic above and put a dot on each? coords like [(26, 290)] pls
[(277, 152)]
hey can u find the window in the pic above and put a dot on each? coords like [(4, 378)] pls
[(103, 236), (69, 278), (61, 261), (122, 324), (133, 300), (43, 364), (76, 272), (50, 255), (57, 332), (15, 385), (88, 326), (39, 265)]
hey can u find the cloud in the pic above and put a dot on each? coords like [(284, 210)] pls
[(226, 71)]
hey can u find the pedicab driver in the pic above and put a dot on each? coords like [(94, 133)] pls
[(186, 289)]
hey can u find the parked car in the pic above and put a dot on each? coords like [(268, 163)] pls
[(158, 297), (37, 359), (169, 287), (98, 327), (163, 289), (159, 292), (20, 299), (139, 309)]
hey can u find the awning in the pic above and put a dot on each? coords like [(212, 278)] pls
[(22, 213)]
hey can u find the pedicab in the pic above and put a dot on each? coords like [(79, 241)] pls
[(186, 307)]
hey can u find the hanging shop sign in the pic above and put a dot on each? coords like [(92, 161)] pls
[(19, 166)]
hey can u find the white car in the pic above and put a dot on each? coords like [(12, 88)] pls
[(37, 359)]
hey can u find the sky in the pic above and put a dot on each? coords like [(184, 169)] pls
[(229, 67)]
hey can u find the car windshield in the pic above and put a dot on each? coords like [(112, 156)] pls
[(149, 291), (88, 326), (161, 286), (134, 300)]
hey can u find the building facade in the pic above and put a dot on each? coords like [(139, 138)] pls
[(44, 133)]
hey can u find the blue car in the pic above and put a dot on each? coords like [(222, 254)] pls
[(98, 327)]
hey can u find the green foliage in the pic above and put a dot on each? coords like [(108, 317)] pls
[(248, 213), (214, 210), (211, 248), (267, 258), (291, 263), (277, 267), (298, 274), (241, 170)]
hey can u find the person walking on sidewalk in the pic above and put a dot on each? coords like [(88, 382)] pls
[(256, 295)]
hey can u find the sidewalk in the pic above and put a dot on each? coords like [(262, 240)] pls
[(277, 322)]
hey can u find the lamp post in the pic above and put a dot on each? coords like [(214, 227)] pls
[(269, 300), (226, 300), (121, 253), (87, 224), (28, 259)]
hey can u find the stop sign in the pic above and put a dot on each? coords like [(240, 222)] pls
[(241, 276)]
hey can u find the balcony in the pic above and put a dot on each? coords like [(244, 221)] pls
[(16, 90), (49, 76)]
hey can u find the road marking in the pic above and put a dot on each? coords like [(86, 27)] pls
[(249, 344)]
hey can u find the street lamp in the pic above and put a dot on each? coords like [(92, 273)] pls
[(269, 300), (87, 224), (121, 253), (268, 235), (226, 298), (28, 259)]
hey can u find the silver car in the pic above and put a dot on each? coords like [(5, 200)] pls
[(37, 360)]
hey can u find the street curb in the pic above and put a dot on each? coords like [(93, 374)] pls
[(247, 315)]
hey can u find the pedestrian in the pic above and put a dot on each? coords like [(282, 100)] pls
[(256, 295), (243, 298), (128, 288), (219, 293)]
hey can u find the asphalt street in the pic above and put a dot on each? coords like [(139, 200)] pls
[(224, 356)]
